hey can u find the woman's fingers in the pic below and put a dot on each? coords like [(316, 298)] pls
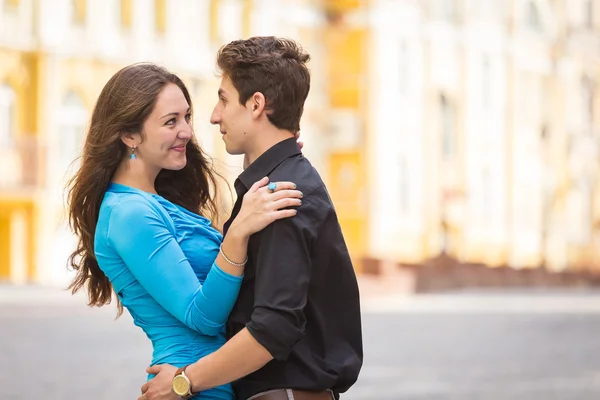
[(287, 202), (280, 214), (259, 184), (273, 187), (282, 194)]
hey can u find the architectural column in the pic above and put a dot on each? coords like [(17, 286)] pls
[(18, 247)]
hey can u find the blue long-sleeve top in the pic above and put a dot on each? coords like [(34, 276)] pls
[(159, 258)]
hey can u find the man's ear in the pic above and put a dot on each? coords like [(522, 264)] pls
[(257, 104)]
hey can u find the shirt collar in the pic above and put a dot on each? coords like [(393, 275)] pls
[(268, 161)]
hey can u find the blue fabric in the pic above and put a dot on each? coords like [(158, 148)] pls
[(160, 259)]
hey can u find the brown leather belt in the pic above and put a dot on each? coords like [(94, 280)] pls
[(293, 394)]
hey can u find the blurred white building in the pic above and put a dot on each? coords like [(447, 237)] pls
[(483, 132)]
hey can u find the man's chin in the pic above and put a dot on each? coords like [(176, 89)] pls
[(233, 151)]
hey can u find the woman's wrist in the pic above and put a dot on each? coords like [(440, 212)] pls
[(237, 234), (235, 264), (234, 249)]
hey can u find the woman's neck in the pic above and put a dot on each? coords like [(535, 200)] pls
[(133, 173)]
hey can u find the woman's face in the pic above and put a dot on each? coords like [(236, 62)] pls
[(166, 132)]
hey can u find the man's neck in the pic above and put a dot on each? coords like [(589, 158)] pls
[(264, 142)]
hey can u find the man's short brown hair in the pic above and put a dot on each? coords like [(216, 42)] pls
[(276, 68)]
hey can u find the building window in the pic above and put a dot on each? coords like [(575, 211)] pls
[(72, 129), (79, 11), (7, 115), (587, 100), (403, 67), (214, 20), (589, 14), (247, 18), (579, 214), (486, 82), (448, 128), (160, 16), (486, 198), (126, 14), (445, 10), (534, 21), (531, 99), (404, 185), (489, 8), (11, 4)]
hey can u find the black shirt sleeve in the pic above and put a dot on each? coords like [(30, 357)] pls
[(283, 273)]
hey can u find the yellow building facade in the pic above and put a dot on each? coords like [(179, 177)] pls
[(55, 59), (21, 152)]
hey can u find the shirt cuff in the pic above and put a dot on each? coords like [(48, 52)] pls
[(274, 332)]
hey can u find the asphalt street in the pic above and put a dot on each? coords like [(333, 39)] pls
[(483, 346)]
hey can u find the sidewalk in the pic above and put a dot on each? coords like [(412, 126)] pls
[(372, 289), (382, 295), (38, 294), (389, 294)]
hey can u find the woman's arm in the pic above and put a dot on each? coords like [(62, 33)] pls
[(139, 235)]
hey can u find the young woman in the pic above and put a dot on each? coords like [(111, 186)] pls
[(139, 205)]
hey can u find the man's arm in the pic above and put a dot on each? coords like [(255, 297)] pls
[(283, 271), (278, 321), (239, 357)]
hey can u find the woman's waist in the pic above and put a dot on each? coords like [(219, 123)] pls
[(187, 350), (181, 350)]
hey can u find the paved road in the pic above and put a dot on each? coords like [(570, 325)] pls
[(456, 347)]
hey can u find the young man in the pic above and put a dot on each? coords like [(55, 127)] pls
[(295, 332)]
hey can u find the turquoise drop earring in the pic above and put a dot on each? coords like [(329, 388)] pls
[(132, 156)]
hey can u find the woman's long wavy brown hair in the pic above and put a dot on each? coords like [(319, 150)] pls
[(123, 106)]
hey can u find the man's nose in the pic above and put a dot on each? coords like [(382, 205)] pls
[(215, 117)]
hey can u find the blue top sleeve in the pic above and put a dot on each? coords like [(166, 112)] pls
[(139, 235)]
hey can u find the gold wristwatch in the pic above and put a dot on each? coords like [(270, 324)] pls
[(181, 384)]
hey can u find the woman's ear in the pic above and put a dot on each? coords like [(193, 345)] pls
[(131, 139)]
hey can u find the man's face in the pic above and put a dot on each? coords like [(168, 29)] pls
[(234, 119)]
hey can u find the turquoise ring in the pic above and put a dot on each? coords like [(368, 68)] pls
[(272, 186)]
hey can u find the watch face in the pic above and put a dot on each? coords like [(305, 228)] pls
[(181, 386)]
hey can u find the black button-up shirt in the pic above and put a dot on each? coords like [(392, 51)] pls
[(299, 296)]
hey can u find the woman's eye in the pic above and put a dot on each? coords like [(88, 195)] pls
[(170, 122), (188, 117)]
